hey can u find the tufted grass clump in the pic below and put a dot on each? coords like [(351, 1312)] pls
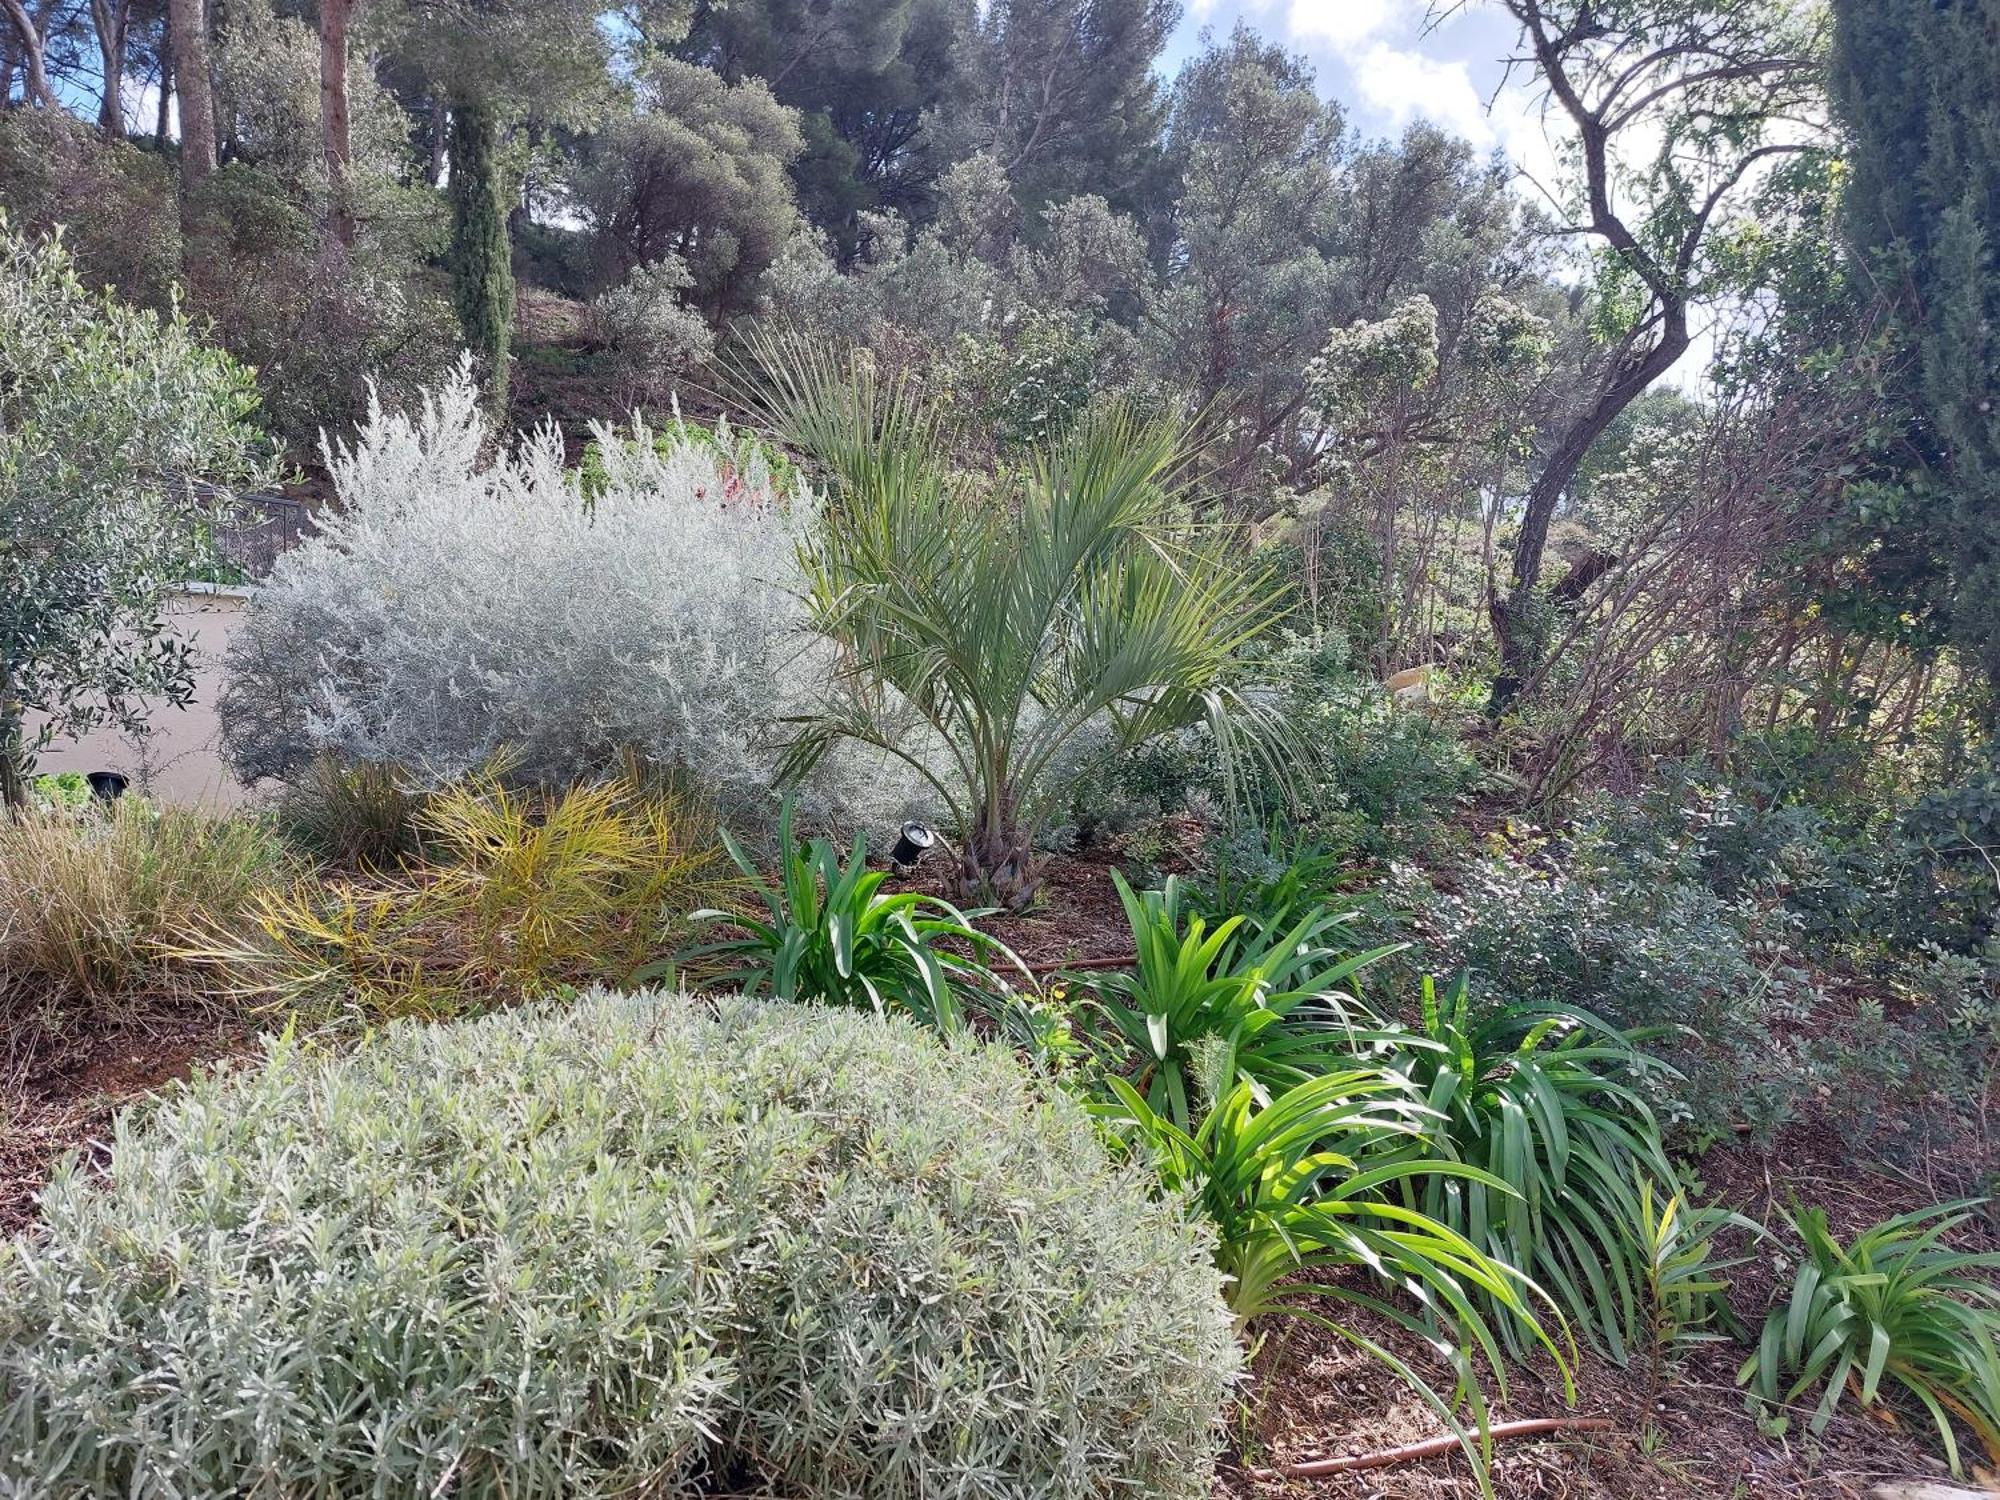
[(625, 1248), (92, 901)]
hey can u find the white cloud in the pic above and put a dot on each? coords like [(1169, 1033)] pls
[(139, 103), (1400, 86), (1345, 24)]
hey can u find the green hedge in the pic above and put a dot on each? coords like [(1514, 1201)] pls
[(626, 1248)]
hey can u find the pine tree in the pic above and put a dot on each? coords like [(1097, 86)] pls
[(1062, 93), (866, 76)]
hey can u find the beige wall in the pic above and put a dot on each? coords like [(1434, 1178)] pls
[(179, 759)]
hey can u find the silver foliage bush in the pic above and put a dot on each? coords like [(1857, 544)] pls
[(627, 1248), (452, 608), (652, 337)]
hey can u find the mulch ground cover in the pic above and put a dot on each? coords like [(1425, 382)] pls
[(1311, 1396)]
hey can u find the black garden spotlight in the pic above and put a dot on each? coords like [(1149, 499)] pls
[(910, 846)]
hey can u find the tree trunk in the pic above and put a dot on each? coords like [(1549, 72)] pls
[(437, 140), (110, 18), (13, 769), (1623, 386), (35, 75), (482, 275), (998, 866), (334, 138), (189, 27), (160, 120)]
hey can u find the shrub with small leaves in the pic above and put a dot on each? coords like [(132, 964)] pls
[(626, 1249), (453, 609)]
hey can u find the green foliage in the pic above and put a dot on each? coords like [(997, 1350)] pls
[(861, 73), (651, 337), (1033, 389), (1364, 777), (744, 455), (1543, 1099), (698, 172), (1091, 121), (66, 791), (245, 252), (1004, 625), (115, 202), (481, 260), (108, 417), (1296, 1191), (1265, 874), (359, 815), (830, 933), (1911, 83), (318, 324), (1895, 1308), (1618, 921), (626, 1247), (1205, 1009), (1686, 1296)]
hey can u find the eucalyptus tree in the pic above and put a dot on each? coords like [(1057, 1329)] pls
[(1669, 111)]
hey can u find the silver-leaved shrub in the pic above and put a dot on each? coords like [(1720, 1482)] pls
[(455, 607), (627, 1248)]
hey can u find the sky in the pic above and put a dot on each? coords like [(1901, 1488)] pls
[(1391, 62)]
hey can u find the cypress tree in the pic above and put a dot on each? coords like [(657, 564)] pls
[(482, 273), (1916, 84)]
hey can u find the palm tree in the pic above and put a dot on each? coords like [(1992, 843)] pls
[(985, 622)]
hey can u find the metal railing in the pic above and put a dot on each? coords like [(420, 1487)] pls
[(251, 532)]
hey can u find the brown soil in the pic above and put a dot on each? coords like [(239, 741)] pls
[(1310, 1395), (61, 1096)]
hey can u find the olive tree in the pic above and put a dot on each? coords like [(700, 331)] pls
[(111, 421)]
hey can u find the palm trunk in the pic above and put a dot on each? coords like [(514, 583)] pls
[(998, 863)]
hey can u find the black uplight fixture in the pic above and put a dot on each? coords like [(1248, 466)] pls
[(910, 846), (107, 786)]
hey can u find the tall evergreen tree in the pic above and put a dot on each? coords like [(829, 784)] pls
[(1063, 95), (865, 76), (1916, 84), (482, 276)]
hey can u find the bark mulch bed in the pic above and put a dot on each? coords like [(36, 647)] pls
[(1692, 1438)]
